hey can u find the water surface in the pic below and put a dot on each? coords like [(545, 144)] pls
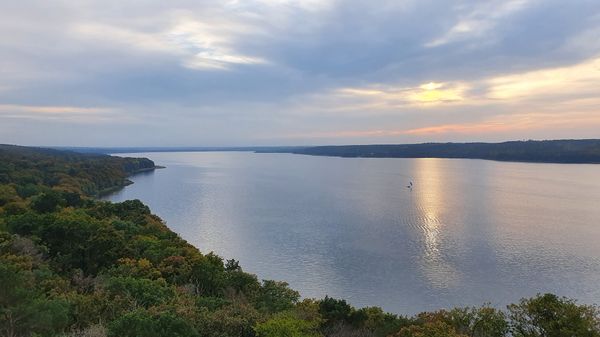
[(469, 232)]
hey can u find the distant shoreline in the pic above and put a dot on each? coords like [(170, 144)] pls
[(110, 190), (584, 151), (568, 151)]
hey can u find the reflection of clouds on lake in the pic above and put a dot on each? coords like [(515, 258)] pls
[(438, 270)]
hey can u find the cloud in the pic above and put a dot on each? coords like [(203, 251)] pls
[(57, 110), (578, 79), (426, 94), (69, 114), (199, 44), (245, 72), (565, 83), (496, 125), (479, 21)]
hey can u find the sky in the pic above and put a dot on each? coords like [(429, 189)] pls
[(293, 72)]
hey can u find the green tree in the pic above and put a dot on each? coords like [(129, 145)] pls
[(275, 296), (374, 319), (429, 329), (477, 322), (7, 194), (287, 325), (91, 245), (208, 275), (334, 310), (235, 320), (232, 265), (551, 316), (141, 323), (144, 292), (242, 282), (46, 202), (25, 309)]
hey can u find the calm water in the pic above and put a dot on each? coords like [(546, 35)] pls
[(471, 231)]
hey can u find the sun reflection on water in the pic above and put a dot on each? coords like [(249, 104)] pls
[(429, 199)]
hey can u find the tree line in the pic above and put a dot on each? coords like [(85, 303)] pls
[(546, 151)]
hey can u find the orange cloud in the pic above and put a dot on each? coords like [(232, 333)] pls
[(460, 128), (62, 113), (53, 109), (447, 128), (505, 123), (576, 79), (431, 93)]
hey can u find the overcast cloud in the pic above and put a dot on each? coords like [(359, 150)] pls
[(284, 72)]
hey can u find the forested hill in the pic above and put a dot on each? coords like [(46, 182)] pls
[(73, 266), (90, 174), (547, 151)]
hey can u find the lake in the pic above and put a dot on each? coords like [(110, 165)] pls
[(468, 232)]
